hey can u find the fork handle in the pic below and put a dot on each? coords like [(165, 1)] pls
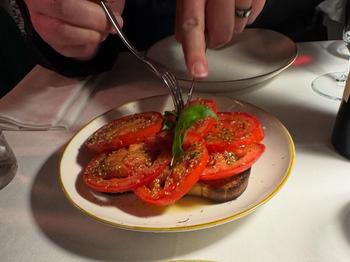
[(174, 93), (117, 27), (125, 40)]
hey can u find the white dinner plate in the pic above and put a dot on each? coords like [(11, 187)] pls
[(126, 211), (250, 58)]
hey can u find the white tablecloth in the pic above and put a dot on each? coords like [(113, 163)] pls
[(308, 220)]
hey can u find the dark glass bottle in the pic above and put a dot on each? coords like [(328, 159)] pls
[(341, 129)]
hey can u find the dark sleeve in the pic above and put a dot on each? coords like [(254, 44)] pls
[(46, 56), (298, 19)]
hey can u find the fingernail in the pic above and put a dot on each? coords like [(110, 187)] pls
[(120, 23), (198, 70), (120, 20)]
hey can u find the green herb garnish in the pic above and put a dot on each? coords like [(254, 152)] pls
[(187, 118)]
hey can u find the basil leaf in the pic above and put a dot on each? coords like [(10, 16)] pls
[(187, 118)]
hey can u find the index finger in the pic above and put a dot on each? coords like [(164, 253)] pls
[(190, 27)]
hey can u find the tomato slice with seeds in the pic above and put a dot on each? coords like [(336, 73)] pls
[(125, 131), (233, 130), (229, 163), (206, 102), (201, 128), (127, 168), (178, 180)]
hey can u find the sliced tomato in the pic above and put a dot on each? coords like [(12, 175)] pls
[(201, 128), (162, 140), (229, 163), (233, 130), (176, 181), (206, 102), (125, 131), (127, 168)]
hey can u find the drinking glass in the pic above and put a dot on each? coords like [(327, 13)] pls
[(8, 162), (331, 85)]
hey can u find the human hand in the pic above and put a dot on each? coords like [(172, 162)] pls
[(74, 28), (201, 23)]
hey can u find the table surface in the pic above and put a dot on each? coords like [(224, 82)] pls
[(308, 220)]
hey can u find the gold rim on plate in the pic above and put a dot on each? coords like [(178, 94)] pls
[(220, 221)]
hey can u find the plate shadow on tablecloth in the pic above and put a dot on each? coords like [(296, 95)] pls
[(76, 233), (345, 221)]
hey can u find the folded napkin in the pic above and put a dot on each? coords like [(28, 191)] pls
[(44, 100)]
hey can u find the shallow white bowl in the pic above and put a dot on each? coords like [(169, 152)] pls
[(252, 57)]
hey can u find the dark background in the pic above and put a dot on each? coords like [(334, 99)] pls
[(147, 21)]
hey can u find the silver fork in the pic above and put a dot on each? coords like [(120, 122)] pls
[(164, 74)]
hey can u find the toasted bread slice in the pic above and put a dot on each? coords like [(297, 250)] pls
[(224, 189)]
